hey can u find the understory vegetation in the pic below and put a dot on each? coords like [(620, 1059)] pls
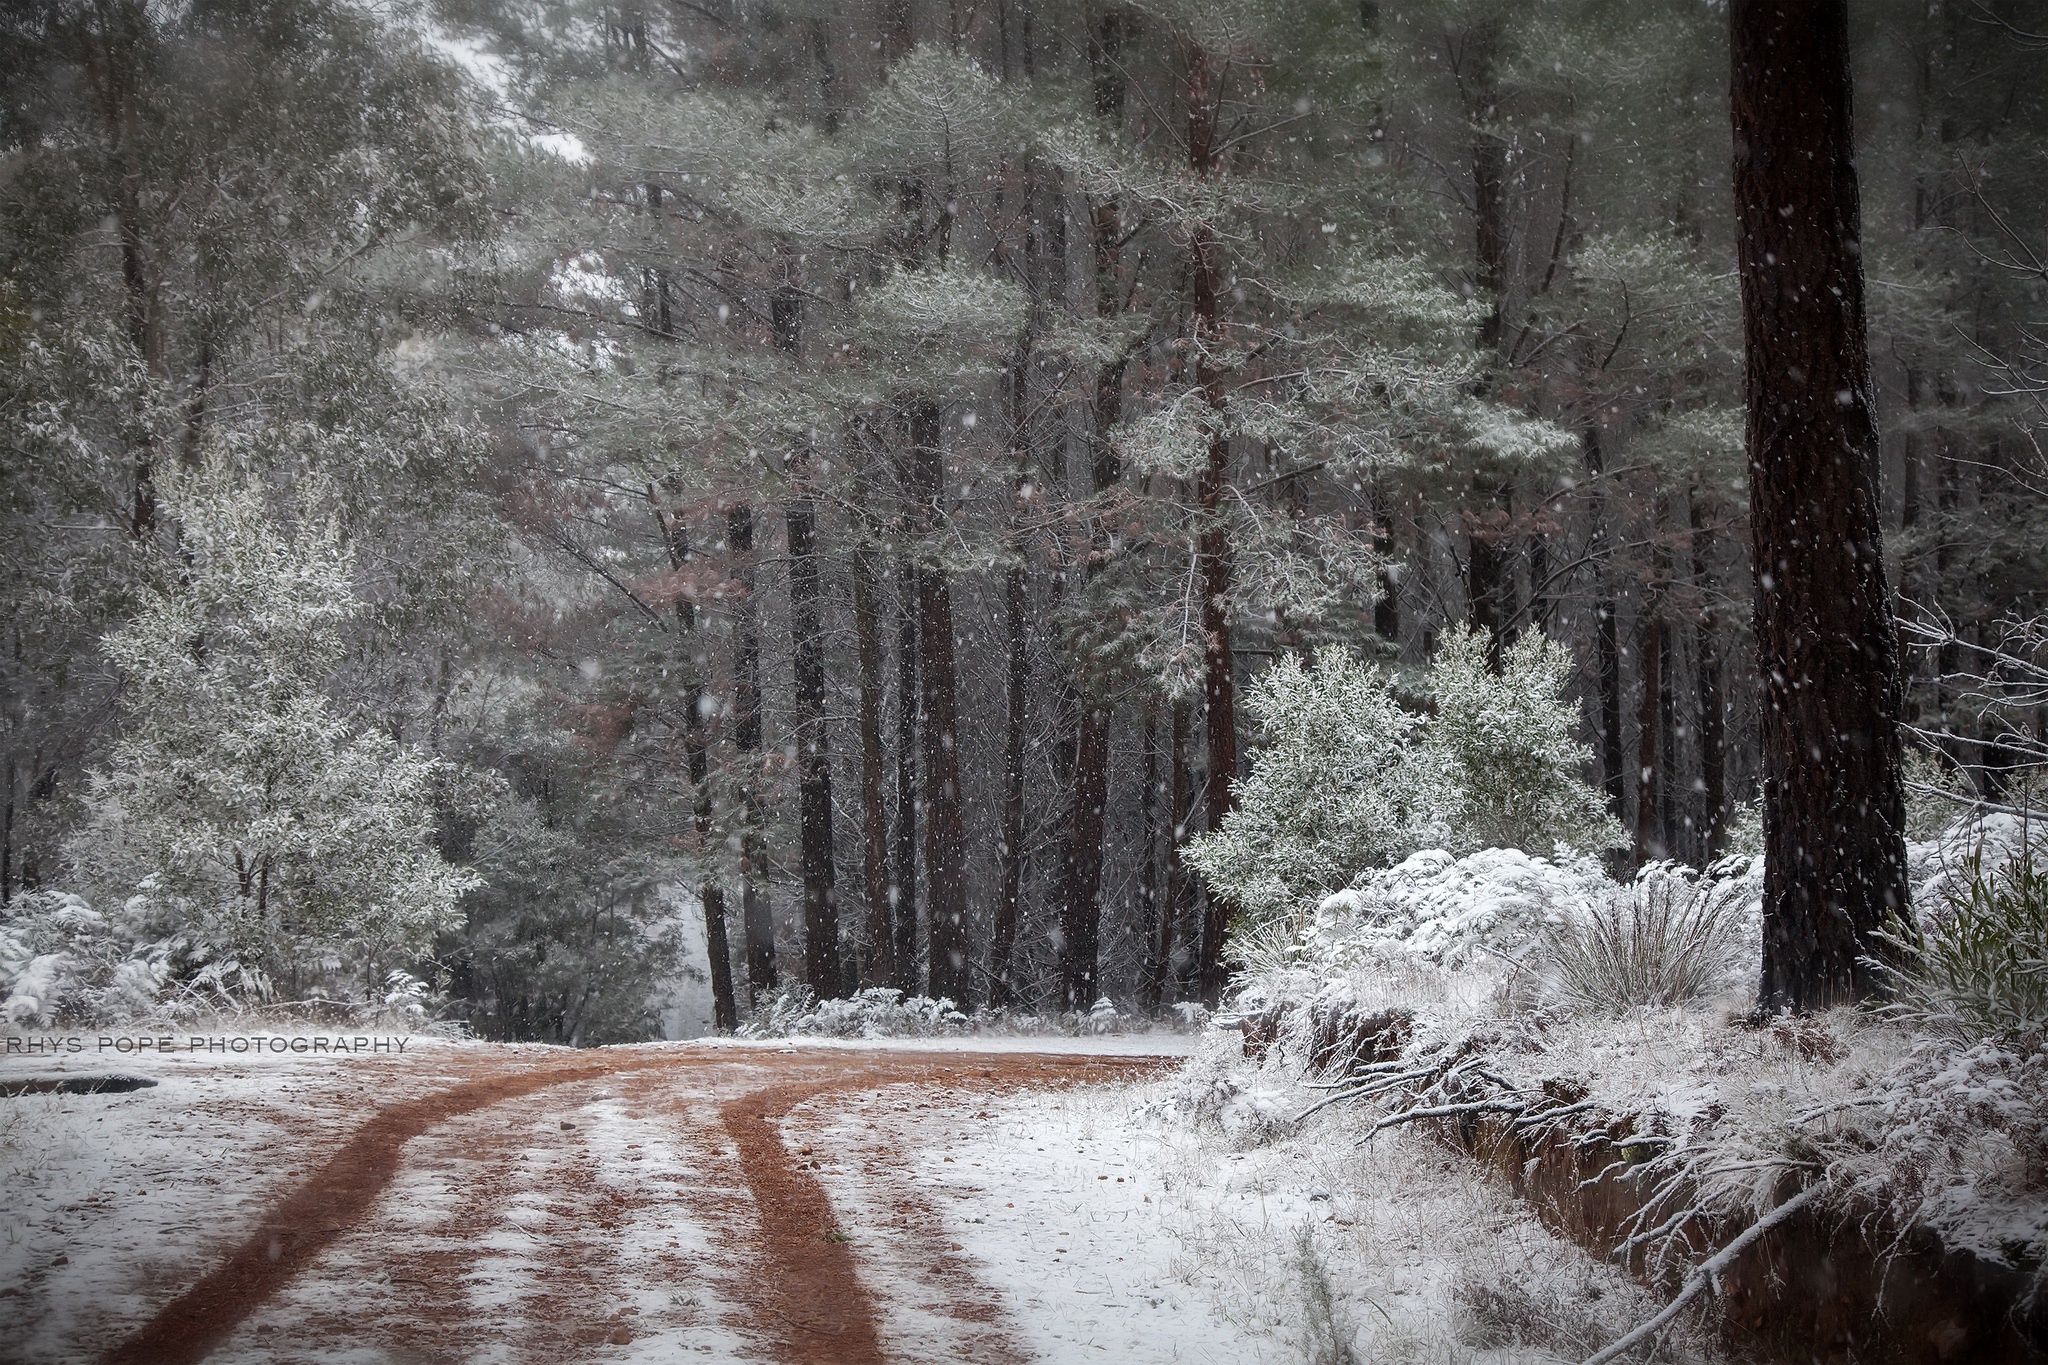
[(617, 511), (1618, 1018)]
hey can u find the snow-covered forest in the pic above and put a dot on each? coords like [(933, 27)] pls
[(513, 507), (1370, 678)]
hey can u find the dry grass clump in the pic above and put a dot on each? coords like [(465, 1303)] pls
[(1666, 941)]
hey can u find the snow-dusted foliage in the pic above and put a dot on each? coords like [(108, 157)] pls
[(1975, 965), (239, 813), (1445, 909), (1505, 985), (877, 1012), (1670, 939), (1351, 779), (61, 960)]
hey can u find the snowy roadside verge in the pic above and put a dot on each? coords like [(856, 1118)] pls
[(1116, 1226), (113, 1200)]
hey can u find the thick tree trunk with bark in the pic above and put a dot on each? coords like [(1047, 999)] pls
[(903, 869), (1834, 844), (1213, 558), (822, 968), (755, 907), (878, 967), (945, 832)]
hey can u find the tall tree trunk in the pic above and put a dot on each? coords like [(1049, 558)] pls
[(755, 907), (1180, 798), (1010, 892), (1490, 587), (822, 969), (814, 753), (878, 968), (697, 754), (1651, 713), (1017, 679), (1711, 689), (1834, 844), (1081, 871), (1648, 845), (1151, 908), (1213, 558), (1081, 907), (1606, 639), (945, 832), (903, 874)]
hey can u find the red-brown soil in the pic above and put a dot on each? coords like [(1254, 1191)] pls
[(784, 1262)]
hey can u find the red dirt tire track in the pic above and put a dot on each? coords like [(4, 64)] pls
[(292, 1233), (827, 1315), (807, 1300)]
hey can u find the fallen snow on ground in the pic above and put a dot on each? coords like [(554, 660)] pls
[(1116, 1230), (105, 1200)]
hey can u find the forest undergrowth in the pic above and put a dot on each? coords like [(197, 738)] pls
[(1538, 997)]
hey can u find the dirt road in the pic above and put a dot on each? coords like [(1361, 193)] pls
[(622, 1205)]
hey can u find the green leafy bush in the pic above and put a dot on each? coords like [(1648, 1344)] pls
[(1977, 965), (1350, 780)]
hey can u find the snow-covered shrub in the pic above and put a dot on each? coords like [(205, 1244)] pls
[(1208, 1096), (1350, 779), (1976, 964), (877, 1012), (1444, 909), (1502, 741), (1331, 791), (61, 961), (1956, 1137), (1667, 940), (249, 816)]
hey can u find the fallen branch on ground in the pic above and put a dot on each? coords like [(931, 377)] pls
[(1706, 1277)]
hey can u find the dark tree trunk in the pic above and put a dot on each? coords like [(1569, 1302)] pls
[(1490, 589), (1607, 648), (1081, 908), (1652, 719), (755, 908), (1711, 689), (1017, 678), (1606, 639), (1010, 893), (945, 833), (1181, 796), (1151, 908), (1834, 847), (1213, 558), (814, 753), (1649, 845), (1081, 870), (879, 966), (697, 754), (903, 875), (822, 969)]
